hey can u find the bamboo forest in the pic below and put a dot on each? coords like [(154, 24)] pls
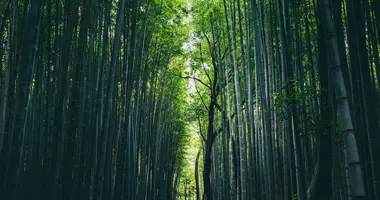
[(190, 99)]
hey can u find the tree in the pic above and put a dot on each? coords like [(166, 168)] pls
[(353, 163)]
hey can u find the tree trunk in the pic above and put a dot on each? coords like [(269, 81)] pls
[(344, 116)]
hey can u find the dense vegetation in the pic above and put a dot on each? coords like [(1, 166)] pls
[(196, 99)]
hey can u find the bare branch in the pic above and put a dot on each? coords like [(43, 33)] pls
[(200, 130), (197, 79), (203, 102), (200, 53), (218, 106)]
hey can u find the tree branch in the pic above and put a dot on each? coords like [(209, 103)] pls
[(200, 96), (200, 54), (200, 130), (197, 79), (218, 106)]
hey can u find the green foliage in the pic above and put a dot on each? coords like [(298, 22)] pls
[(299, 101)]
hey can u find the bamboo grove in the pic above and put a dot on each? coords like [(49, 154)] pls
[(87, 108), (97, 97), (288, 98)]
